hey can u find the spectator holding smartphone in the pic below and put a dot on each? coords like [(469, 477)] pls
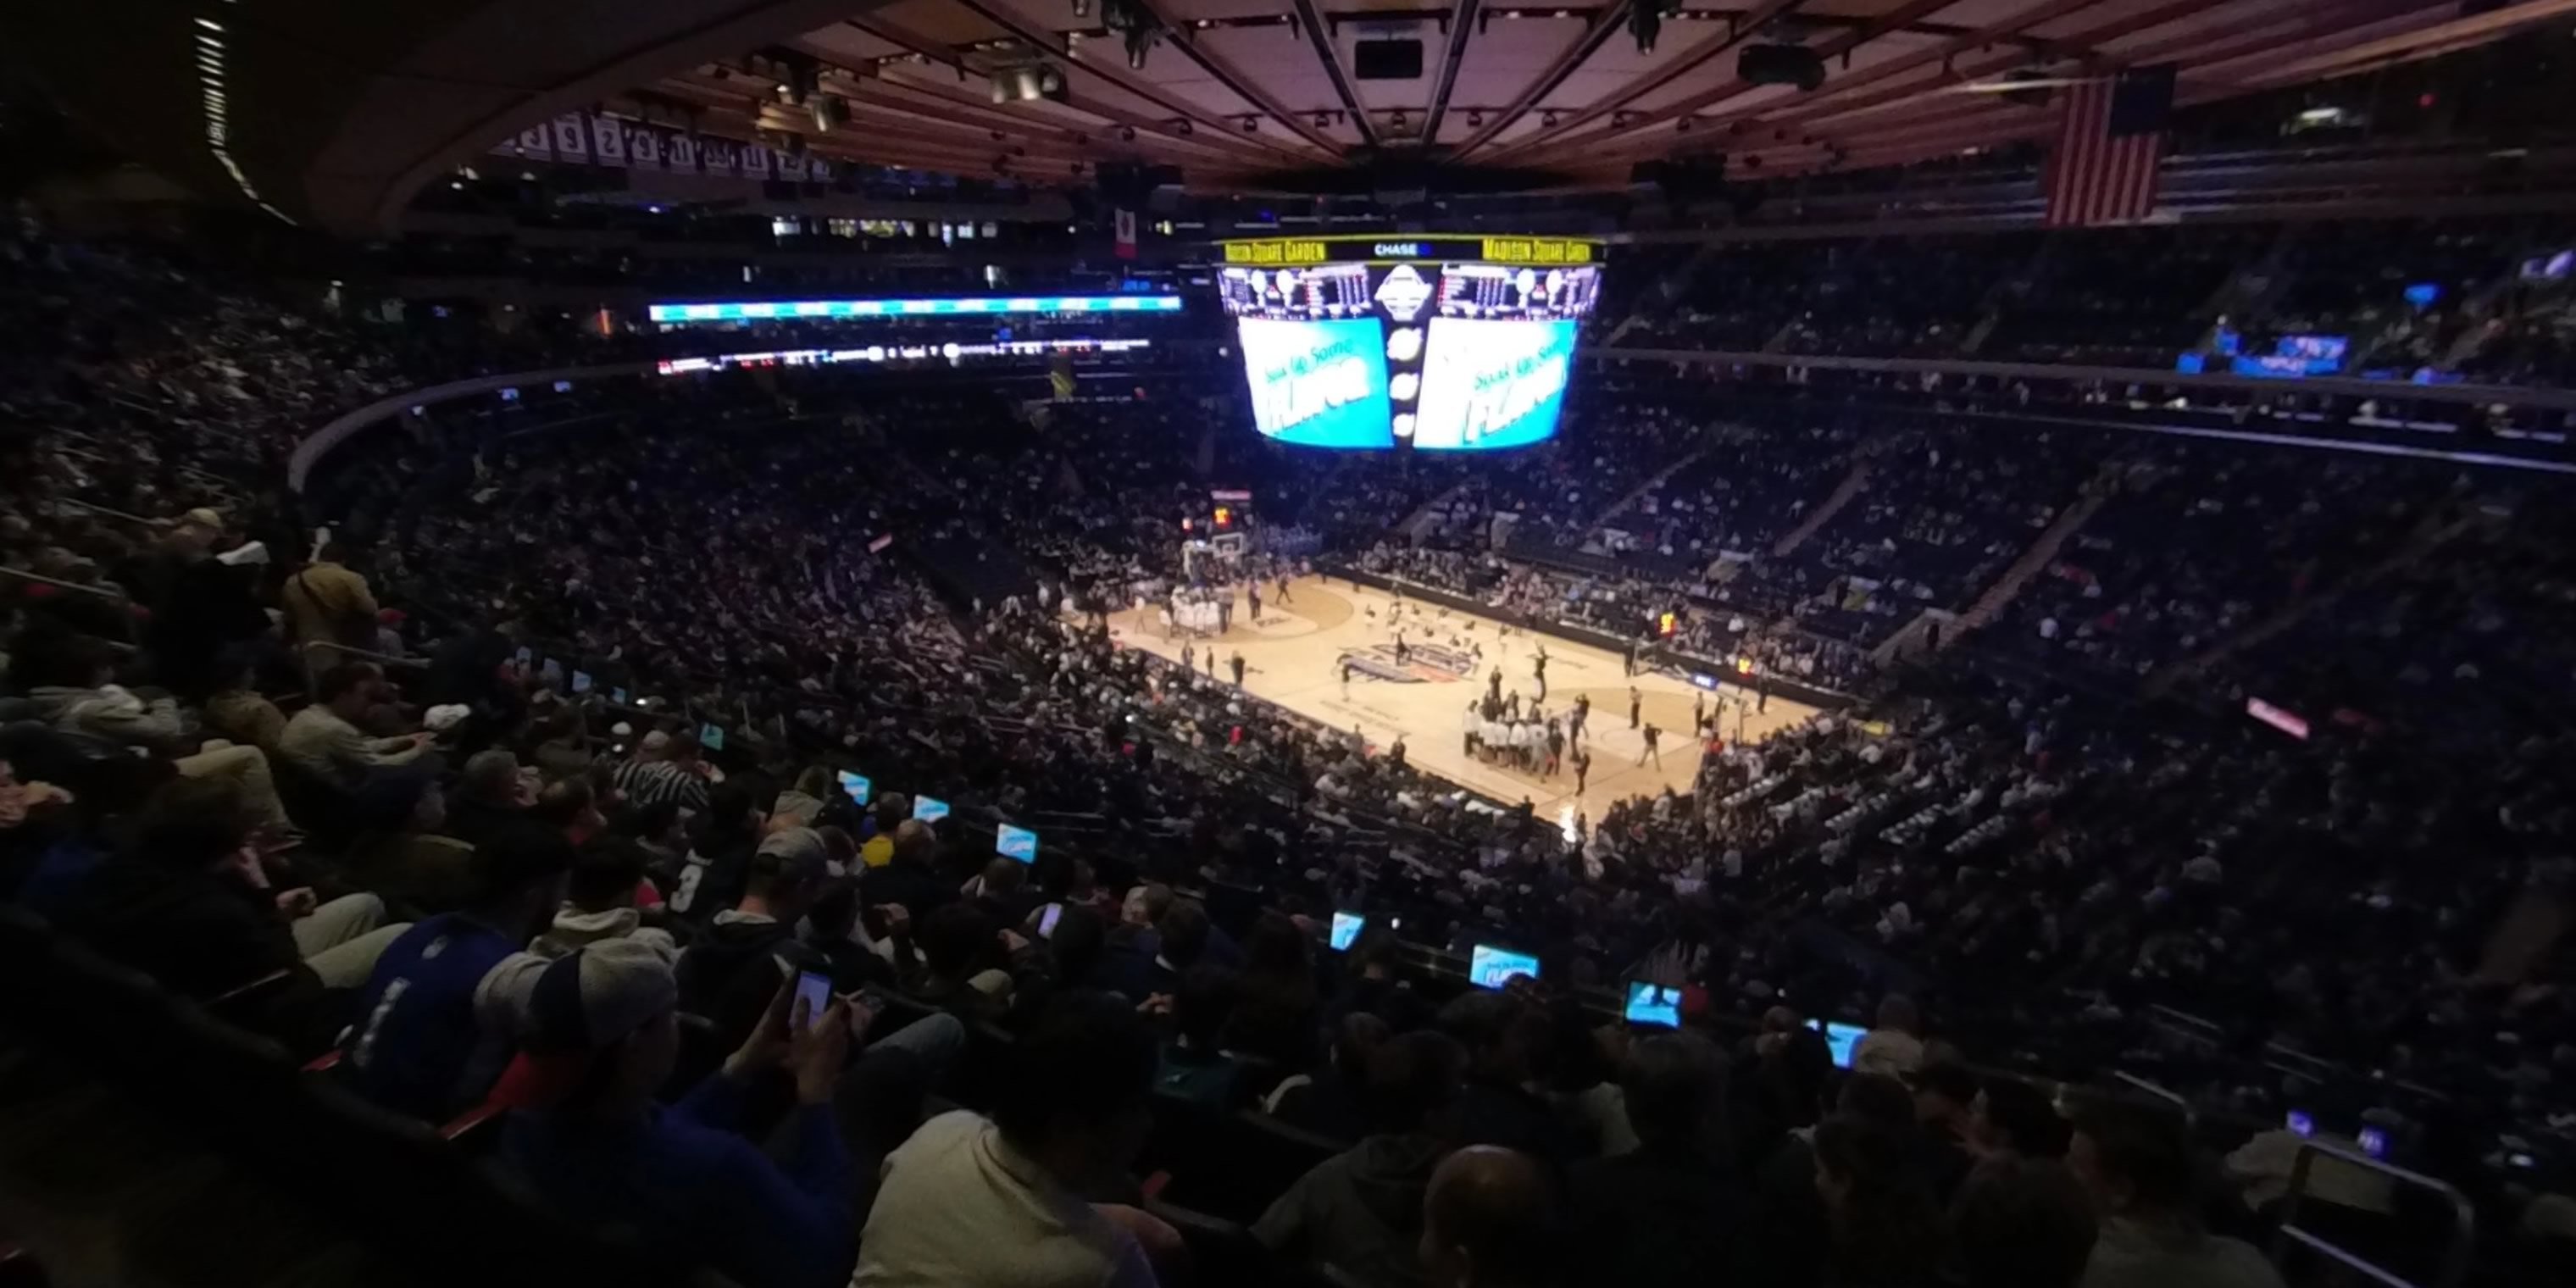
[(601, 1029)]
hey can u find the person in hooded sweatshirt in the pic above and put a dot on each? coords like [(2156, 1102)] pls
[(599, 903), (729, 972), (1360, 1211)]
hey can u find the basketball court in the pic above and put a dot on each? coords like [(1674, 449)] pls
[(1294, 655)]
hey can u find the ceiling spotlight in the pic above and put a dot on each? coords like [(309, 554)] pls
[(1081, 8), (1396, 121), (1547, 120), (1682, 126), (1181, 127), (1251, 123), (1323, 120), (1127, 133)]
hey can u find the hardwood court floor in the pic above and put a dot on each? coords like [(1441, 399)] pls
[(1293, 653)]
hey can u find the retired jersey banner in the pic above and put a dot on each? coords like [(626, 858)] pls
[(614, 141), (608, 140), (572, 137)]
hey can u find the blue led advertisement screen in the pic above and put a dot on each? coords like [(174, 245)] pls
[(1490, 384), (1319, 383)]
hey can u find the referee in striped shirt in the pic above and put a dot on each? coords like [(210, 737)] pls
[(660, 772)]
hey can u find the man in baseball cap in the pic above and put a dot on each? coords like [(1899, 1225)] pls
[(601, 1034)]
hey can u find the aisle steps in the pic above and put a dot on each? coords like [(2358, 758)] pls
[(2430, 535), (1854, 481), (2035, 559)]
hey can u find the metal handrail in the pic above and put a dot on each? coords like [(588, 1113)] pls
[(2455, 1258), (111, 512), (381, 659), (103, 592)]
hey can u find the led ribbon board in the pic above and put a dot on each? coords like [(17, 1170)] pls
[(967, 306)]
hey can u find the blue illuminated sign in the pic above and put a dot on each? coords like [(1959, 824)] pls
[(970, 306), (1322, 384), (1489, 383)]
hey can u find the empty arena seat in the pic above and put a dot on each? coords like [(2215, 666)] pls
[(1229, 1164)]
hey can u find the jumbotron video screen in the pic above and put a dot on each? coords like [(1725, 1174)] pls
[(1447, 343)]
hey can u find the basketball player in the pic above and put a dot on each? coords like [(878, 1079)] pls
[(1538, 671)]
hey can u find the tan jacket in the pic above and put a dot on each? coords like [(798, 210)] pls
[(329, 602)]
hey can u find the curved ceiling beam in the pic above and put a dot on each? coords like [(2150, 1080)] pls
[(1688, 62), (1810, 109), (1216, 142), (2262, 41), (2287, 29), (1319, 37), (1605, 22), (996, 13), (1734, 86), (2459, 33), (1241, 86), (1462, 28)]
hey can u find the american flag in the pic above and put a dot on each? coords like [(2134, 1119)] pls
[(2109, 144)]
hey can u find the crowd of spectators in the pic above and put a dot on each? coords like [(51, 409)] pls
[(527, 785)]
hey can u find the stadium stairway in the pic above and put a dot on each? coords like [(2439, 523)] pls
[(1666, 291), (2433, 532), (2005, 292), (2248, 292), (1854, 481), (1638, 493), (2036, 558), (1417, 525)]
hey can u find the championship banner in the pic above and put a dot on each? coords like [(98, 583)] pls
[(1126, 226), (643, 147), (684, 152), (537, 142)]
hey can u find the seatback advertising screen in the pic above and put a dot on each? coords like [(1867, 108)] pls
[(1442, 343), (1320, 383), (1489, 384)]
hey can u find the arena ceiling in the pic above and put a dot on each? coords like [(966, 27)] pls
[(336, 113), (1267, 93)]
